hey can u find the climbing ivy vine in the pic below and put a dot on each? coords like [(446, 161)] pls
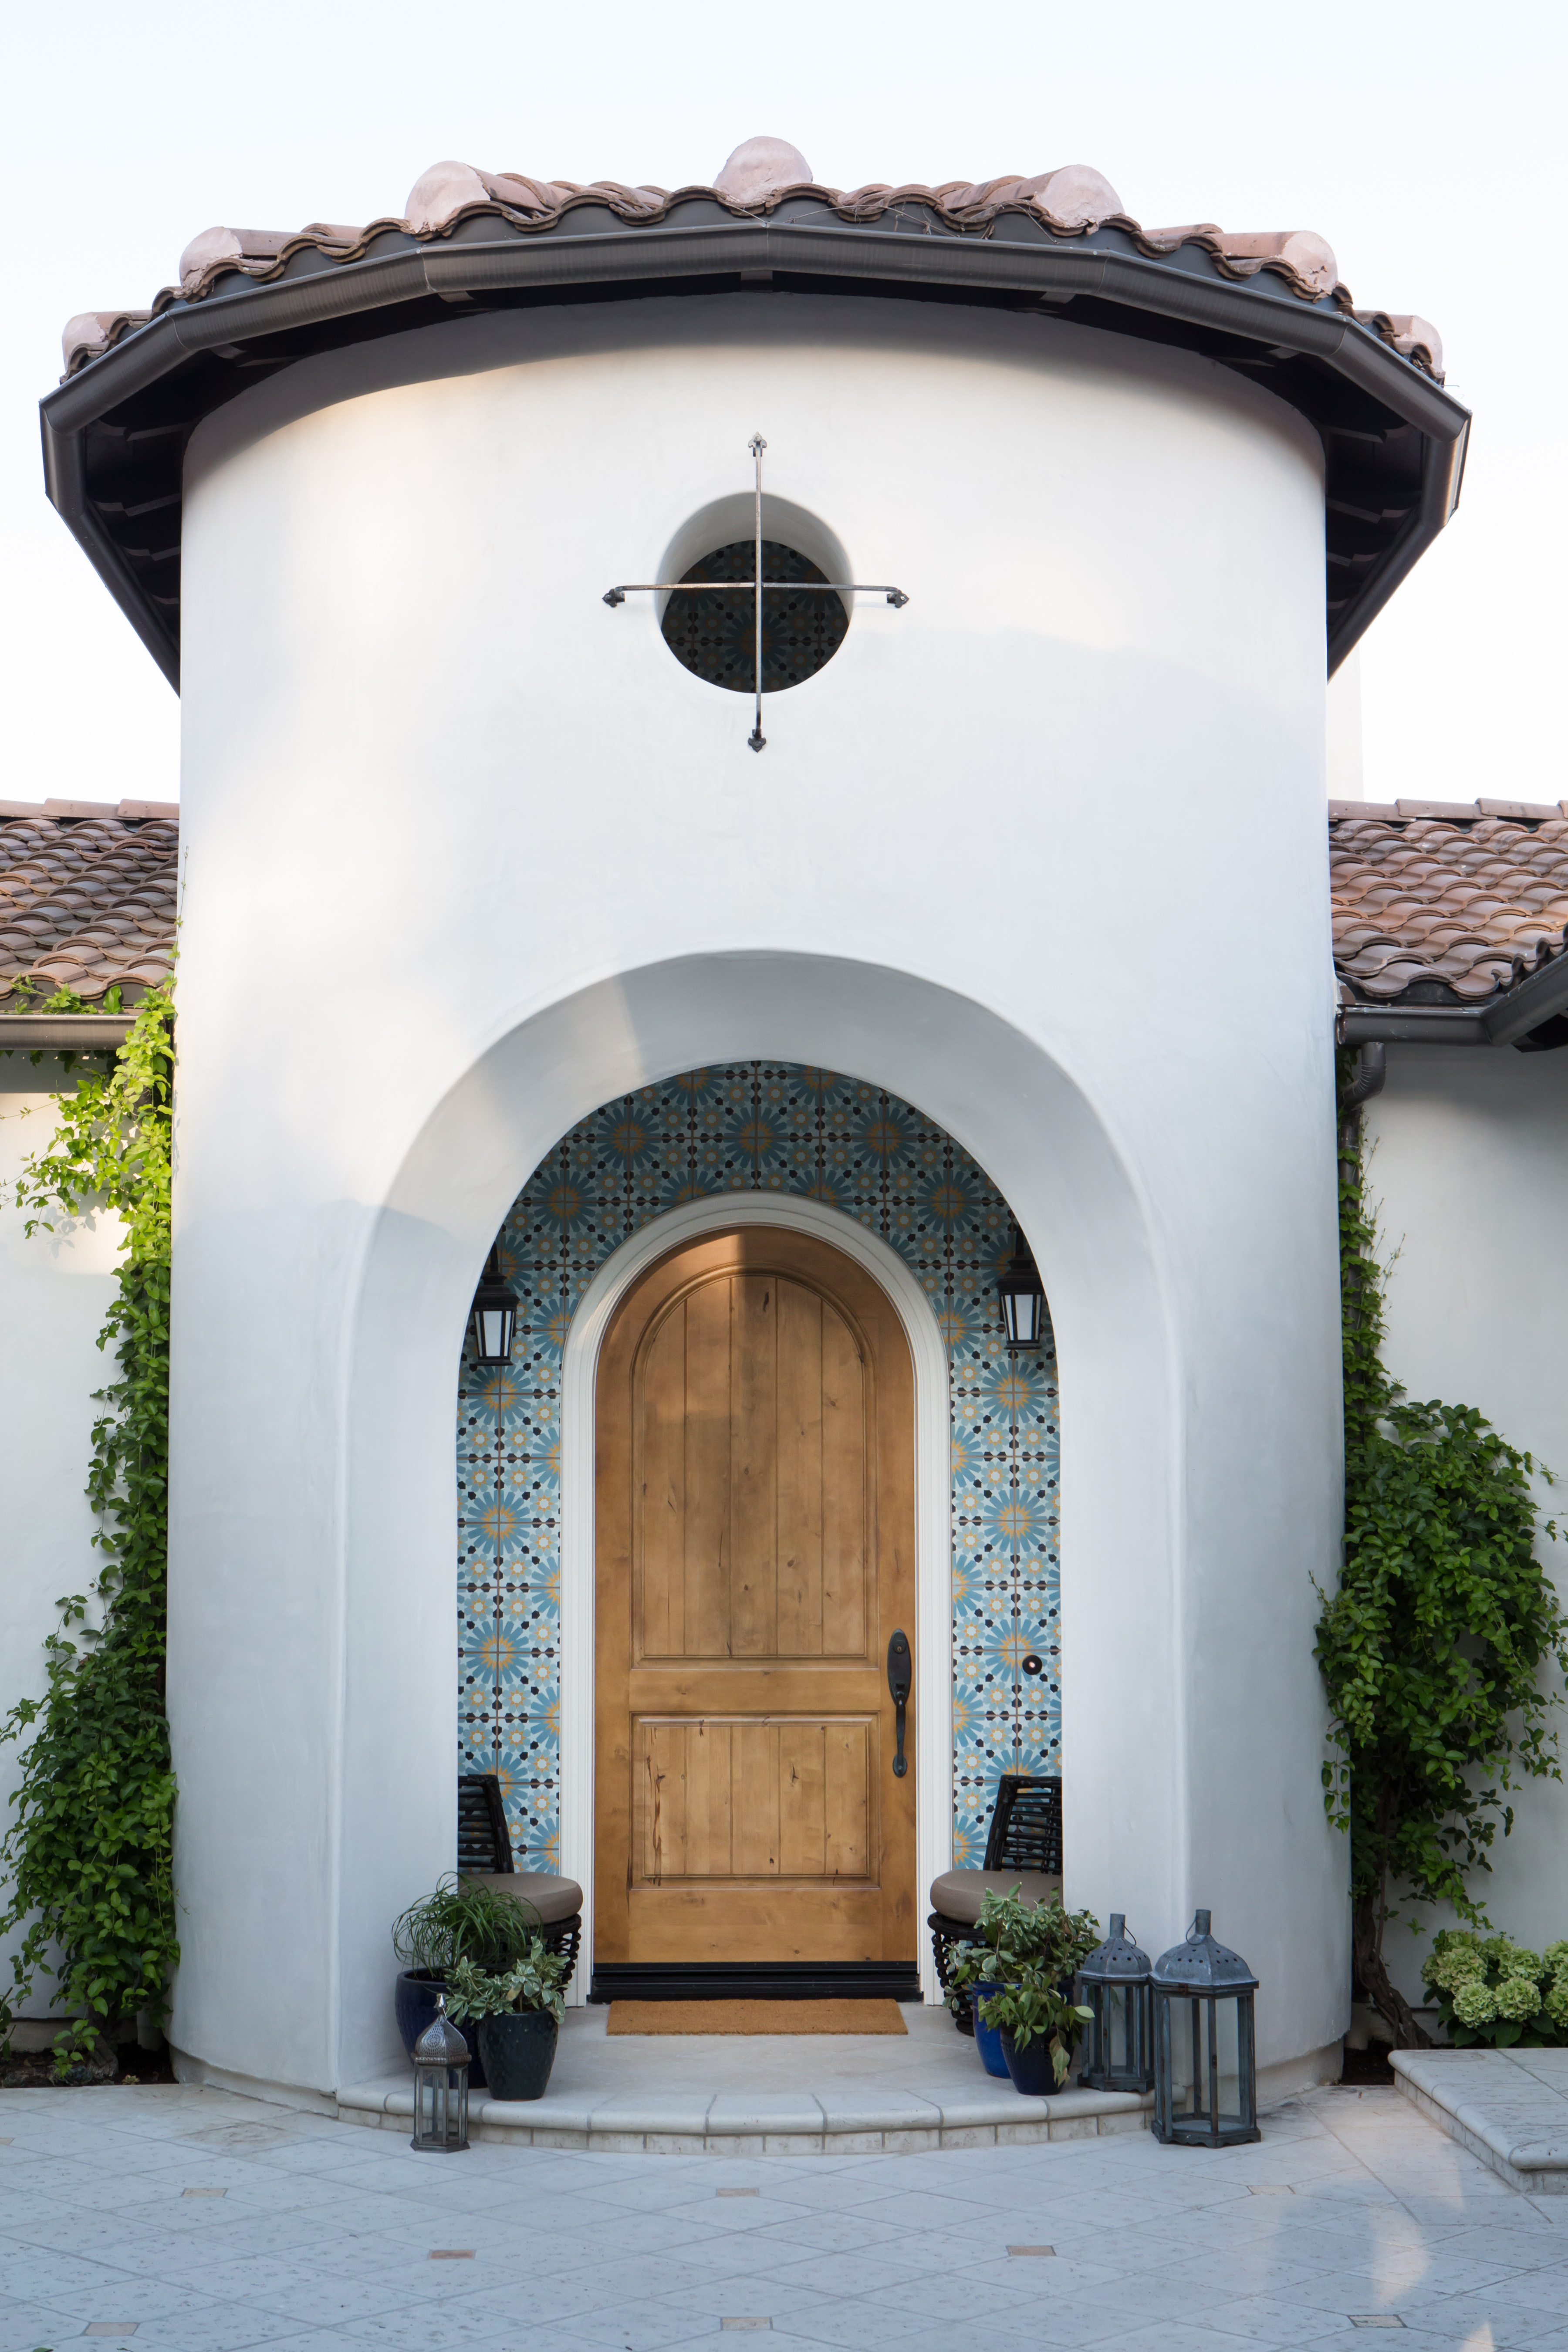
[(1445, 1647), (90, 1851)]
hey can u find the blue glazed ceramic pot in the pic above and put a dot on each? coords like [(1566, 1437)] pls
[(987, 2038)]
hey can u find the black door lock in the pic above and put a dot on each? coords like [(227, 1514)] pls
[(900, 1675)]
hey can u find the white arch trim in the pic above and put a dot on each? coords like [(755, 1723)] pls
[(933, 1530)]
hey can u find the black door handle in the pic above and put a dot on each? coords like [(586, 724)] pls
[(900, 1674)]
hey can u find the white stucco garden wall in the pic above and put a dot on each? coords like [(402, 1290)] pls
[(1470, 1170), (55, 1291), (469, 853)]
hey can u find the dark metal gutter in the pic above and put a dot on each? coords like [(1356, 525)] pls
[(1507, 1019), (1299, 350), (56, 1033)]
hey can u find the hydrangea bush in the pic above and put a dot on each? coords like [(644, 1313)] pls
[(1490, 1991)]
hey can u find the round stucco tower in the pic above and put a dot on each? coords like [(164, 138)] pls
[(469, 853)]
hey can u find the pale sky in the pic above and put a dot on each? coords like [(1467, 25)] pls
[(1425, 143)]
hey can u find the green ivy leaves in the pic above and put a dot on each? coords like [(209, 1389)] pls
[(91, 1849), (1439, 1646)]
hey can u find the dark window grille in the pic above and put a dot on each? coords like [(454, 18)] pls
[(715, 635)]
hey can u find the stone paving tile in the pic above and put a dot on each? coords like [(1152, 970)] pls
[(321, 2244), (25, 2327)]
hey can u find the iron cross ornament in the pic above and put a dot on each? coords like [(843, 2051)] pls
[(757, 588)]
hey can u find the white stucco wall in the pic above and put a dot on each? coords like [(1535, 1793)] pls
[(1471, 1167), (469, 853), (55, 1291)]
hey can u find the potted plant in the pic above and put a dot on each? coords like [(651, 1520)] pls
[(463, 1919), (1038, 2021), (1017, 1941), (517, 2017)]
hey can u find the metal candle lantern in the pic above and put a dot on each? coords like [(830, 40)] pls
[(494, 1314), (440, 2086), (1206, 2050), (1121, 2033), (1023, 1296)]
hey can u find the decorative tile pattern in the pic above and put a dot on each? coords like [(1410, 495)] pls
[(759, 1126), (715, 635)]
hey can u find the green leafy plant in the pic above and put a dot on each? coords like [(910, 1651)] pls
[(1488, 1990), (533, 1982), (464, 1921), (89, 1850), (1444, 1647), (1034, 2006), (1013, 1939)]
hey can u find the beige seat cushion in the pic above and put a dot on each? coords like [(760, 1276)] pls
[(553, 1898), (959, 1893)]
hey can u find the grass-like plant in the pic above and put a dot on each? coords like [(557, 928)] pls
[(464, 1920)]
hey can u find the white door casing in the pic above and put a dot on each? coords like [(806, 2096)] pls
[(933, 1535)]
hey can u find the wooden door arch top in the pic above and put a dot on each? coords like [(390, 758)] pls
[(755, 1411)]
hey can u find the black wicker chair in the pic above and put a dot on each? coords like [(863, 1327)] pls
[(1023, 1845), (484, 1850)]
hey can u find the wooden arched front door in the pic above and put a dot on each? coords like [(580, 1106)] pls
[(755, 1554)]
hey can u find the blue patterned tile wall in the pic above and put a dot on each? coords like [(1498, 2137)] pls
[(755, 1128)]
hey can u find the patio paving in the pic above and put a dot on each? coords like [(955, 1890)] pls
[(205, 2222)]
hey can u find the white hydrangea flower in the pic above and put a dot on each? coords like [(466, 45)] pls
[(1517, 1997), (1475, 2004)]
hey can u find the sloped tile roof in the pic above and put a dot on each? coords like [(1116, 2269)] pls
[(1433, 902), (87, 899), (1446, 903), (1071, 200), (1055, 246)]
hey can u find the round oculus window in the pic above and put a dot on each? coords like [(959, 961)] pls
[(713, 631)]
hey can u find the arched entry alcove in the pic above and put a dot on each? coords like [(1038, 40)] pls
[(345, 1568), (1025, 1119), (790, 1149)]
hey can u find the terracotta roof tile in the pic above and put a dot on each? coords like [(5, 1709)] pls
[(88, 896), (1071, 200), (1445, 901), (1430, 909)]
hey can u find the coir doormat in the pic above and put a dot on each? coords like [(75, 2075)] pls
[(755, 2017)]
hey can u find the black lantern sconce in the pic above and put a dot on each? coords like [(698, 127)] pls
[(1120, 2031), (440, 2086), (494, 1314), (1023, 1298), (1205, 2049)]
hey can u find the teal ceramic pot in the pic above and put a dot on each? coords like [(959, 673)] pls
[(518, 2051)]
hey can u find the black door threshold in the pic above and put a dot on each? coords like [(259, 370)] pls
[(756, 1980)]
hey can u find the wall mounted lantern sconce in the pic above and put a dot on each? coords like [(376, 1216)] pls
[(1205, 2049), (494, 1314), (1023, 1298)]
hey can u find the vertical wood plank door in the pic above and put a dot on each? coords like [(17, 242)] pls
[(755, 1551)]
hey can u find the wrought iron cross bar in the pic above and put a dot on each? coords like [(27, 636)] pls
[(758, 587)]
